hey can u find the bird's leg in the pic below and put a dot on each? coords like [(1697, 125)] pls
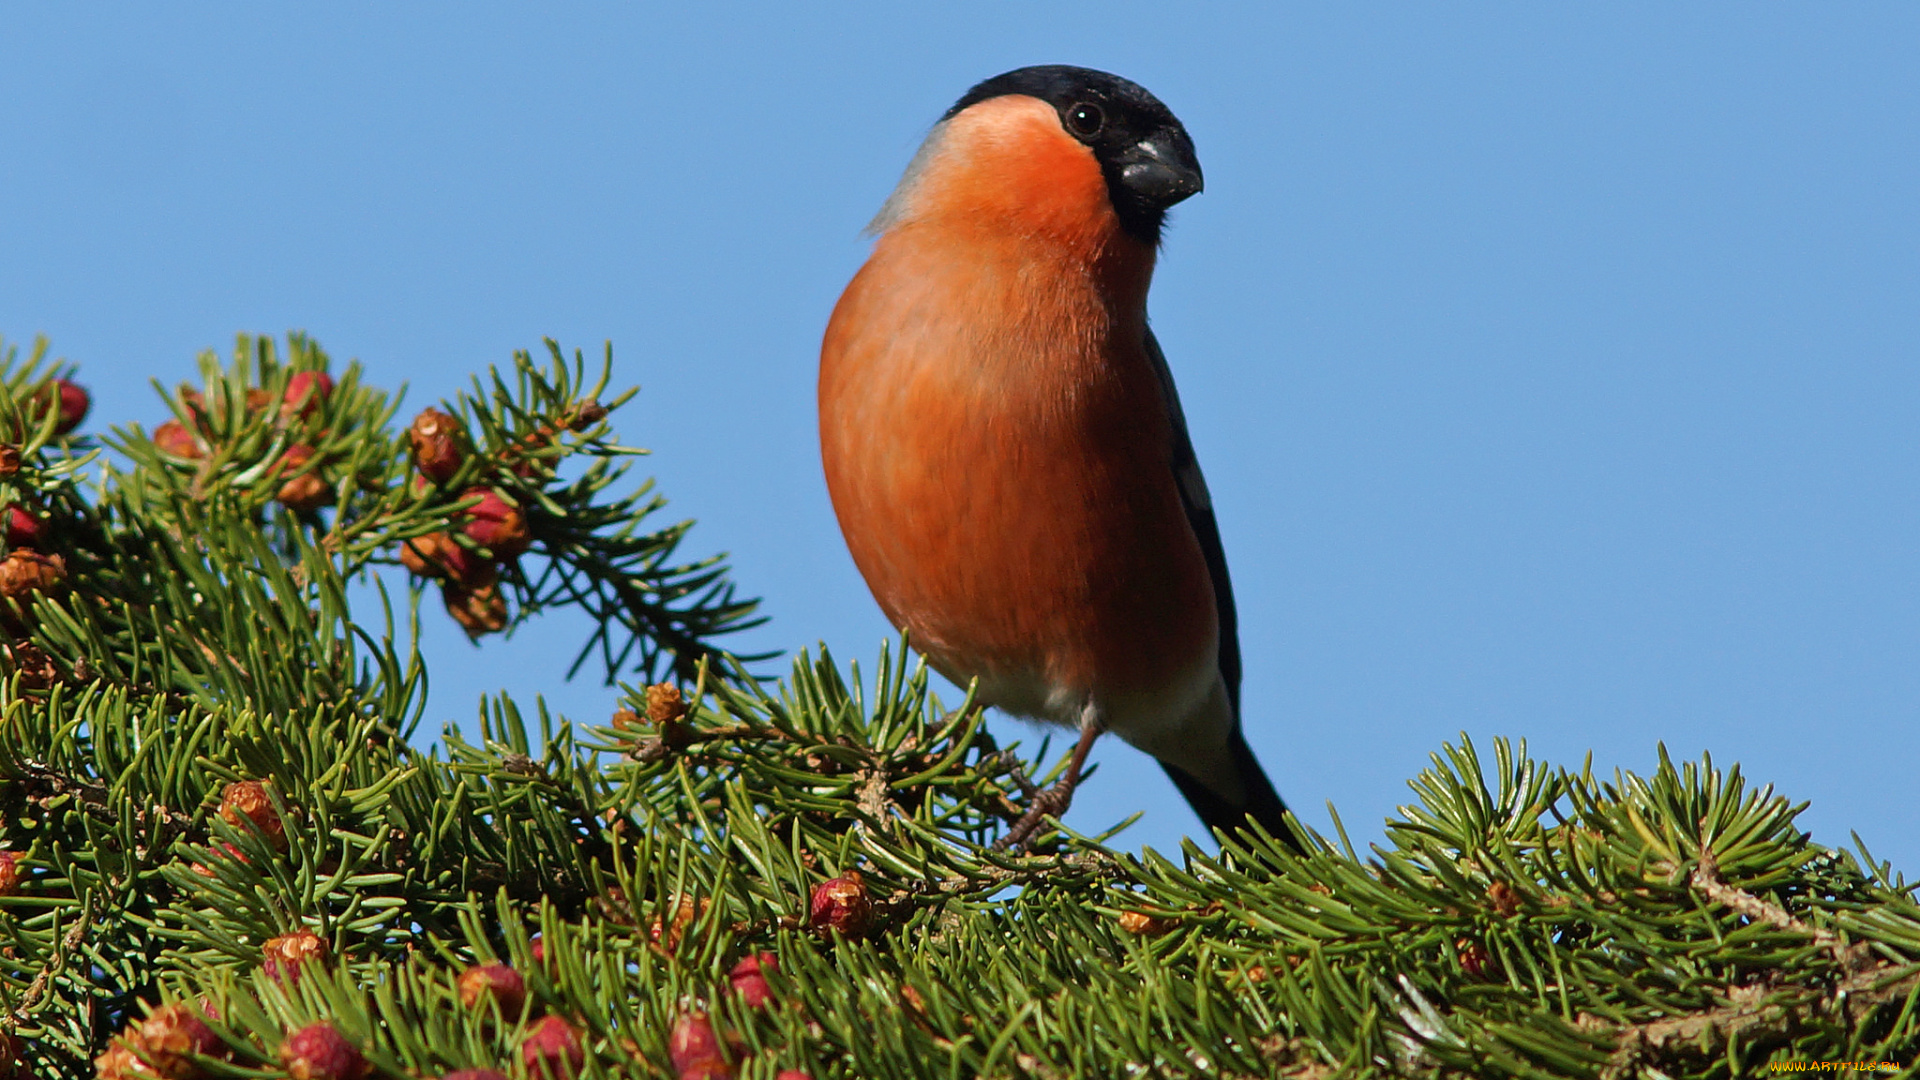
[(1054, 801)]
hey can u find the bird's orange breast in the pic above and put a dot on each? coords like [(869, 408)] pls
[(999, 453)]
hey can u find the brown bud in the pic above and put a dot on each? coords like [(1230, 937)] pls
[(248, 799), (1504, 898), (613, 904), (1139, 922), (32, 663), (841, 904), (552, 1050), (438, 444), (27, 571), (320, 1052), (495, 524), (173, 439), (665, 703), (524, 457), (479, 609), (306, 490), (120, 1062), (258, 398), (170, 1035), (9, 873), (438, 555), (626, 719), (497, 982), (9, 459), (667, 931), (305, 392), (749, 978), (288, 952), (694, 1048), (1474, 958), (585, 415)]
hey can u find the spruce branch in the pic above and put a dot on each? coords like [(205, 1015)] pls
[(216, 817)]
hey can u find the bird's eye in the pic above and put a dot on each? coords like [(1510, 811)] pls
[(1085, 119)]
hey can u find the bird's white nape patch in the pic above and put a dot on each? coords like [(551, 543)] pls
[(898, 204)]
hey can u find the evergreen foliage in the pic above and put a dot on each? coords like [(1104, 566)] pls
[(224, 852)]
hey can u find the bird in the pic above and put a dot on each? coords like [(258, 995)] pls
[(1005, 450)]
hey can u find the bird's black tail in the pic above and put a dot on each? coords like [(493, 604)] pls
[(1263, 805)]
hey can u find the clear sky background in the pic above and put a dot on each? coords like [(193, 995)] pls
[(1553, 369)]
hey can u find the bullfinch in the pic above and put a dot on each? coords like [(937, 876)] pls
[(1004, 448)]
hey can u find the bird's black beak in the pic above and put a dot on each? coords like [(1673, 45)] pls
[(1161, 169)]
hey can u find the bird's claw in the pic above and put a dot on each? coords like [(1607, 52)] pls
[(1049, 803)]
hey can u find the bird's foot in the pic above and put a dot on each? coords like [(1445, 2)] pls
[(1049, 803)]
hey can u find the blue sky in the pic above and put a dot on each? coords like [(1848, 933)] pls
[(1553, 369)]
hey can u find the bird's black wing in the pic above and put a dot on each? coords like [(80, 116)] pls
[(1264, 804), (1198, 504)]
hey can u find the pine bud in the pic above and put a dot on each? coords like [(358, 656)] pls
[(706, 1069), (496, 525), (173, 439), (842, 904), (498, 982), (72, 401), (320, 1052), (479, 609), (169, 1036), (9, 873), (11, 1054), (35, 667), (230, 852), (626, 719), (249, 799), (613, 905), (438, 555), (120, 1062), (585, 415), (9, 459), (24, 527), (524, 457), (1474, 958), (1139, 922), (694, 1049), (305, 491), (749, 978), (665, 703), (258, 398), (1504, 898), (552, 1050), (288, 952), (667, 933), (438, 445), (305, 392), (27, 571)]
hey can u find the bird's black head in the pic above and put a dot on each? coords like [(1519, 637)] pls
[(1143, 150)]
